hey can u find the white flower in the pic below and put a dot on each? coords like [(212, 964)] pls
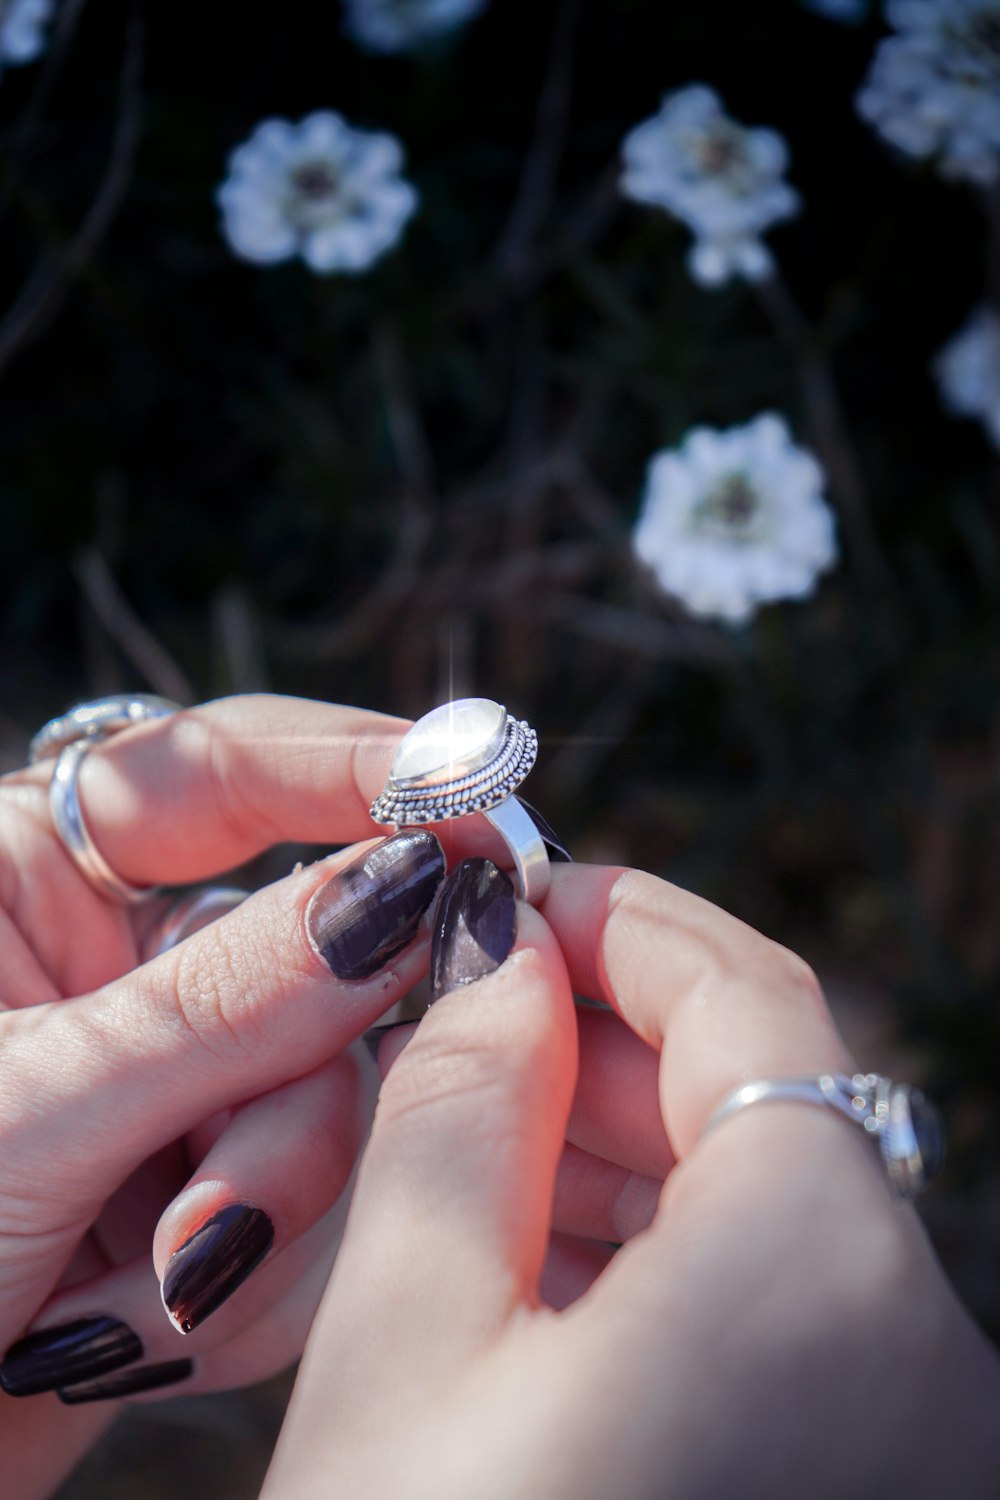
[(319, 189), (22, 30), (734, 519), (404, 25), (848, 11), (722, 179), (968, 371), (934, 88)]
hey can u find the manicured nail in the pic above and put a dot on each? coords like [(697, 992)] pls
[(209, 1266), (473, 925), (371, 910), (127, 1382), (81, 1350)]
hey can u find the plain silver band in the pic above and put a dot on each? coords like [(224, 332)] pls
[(67, 815), (531, 859), (68, 738), (189, 913)]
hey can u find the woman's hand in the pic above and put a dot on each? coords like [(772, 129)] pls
[(781, 1326), (204, 1100)]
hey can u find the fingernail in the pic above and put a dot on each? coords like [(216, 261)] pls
[(81, 1350), (127, 1382), (473, 925), (371, 910), (209, 1266)]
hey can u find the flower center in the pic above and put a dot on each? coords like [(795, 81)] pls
[(732, 509), (315, 181), (720, 152)]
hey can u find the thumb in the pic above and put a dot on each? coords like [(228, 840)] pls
[(452, 1212)]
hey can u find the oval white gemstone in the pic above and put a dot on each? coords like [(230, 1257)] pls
[(450, 741)]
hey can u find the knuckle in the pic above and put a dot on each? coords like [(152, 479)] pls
[(431, 1076), (212, 994), (798, 978)]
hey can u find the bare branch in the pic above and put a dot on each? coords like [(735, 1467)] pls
[(48, 285), (541, 163), (124, 627)]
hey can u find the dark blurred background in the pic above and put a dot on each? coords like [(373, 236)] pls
[(420, 483)]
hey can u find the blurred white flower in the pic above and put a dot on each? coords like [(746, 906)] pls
[(404, 25), (722, 179), (933, 89), (22, 30), (848, 11), (734, 519), (968, 371), (319, 189)]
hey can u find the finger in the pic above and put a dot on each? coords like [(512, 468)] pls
[(571, 1268), (616, 1107), (454, 1193), (599, 1200), (108, 1338), (275, 1170), (241, 1007), (178, 799), (722, 1003), (595, 1196)]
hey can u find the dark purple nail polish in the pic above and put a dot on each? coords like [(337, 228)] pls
[(370, 911), (81, 1350), (210, 1265), (473, 925), (127, 1382)]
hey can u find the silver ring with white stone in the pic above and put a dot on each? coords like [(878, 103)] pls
[(906, 1126), (466, 757), (69, 738)]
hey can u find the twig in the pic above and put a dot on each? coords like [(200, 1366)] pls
[(830, 431), (15, 158), (125, 628), (47, 287), (239, 638), (541, 163), (409, 436)]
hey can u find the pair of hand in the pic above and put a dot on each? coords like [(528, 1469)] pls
[(772, 1312)]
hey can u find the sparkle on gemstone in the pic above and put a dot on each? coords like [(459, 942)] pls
[(451, 741)]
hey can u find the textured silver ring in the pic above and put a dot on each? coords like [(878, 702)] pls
[(904, 1123), (69, 738), (467, 757)]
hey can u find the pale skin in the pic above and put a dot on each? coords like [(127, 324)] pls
[(136, 1100), (781, 1325)]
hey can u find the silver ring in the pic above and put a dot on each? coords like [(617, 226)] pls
[(189, 913), (69, 738), (466, 757), (97, 720), (905, 1124)]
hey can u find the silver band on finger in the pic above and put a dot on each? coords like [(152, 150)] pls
[(67, 815), (97, 720), (465, 757), (68, 738), (905, 1124)]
